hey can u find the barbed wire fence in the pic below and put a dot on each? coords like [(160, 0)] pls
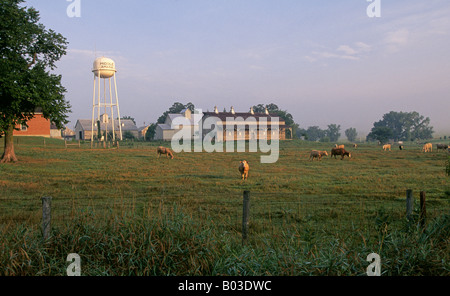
[(250, 214)]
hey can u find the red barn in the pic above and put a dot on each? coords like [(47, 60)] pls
[(38, 126)]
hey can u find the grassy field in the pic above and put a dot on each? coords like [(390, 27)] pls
[(126, 212)]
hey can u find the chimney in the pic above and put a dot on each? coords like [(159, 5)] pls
[(251, 111), (267, 111), (232, 110), (216, 110)]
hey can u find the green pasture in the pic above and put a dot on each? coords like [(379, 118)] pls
[(184, 215)]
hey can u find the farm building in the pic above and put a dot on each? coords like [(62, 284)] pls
[(165, 131), (83, 127), (68, 134), (262, 126), (38, 126), (143, 131)]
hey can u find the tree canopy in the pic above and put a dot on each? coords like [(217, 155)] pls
[(333, 132), (272, 108), (351, 134), (404, 126), (176, 108), (28, 52), (283, 114)]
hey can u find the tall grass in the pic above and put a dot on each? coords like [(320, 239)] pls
[(175, 244), (126, 212)]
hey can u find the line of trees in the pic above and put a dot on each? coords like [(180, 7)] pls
[(395, 126), (331, 134)]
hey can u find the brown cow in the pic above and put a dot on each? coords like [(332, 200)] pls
[(163, 150), (339, 146), (317, 154), (340, 151), (387, 147), (243, 169)]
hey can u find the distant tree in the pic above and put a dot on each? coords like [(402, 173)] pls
[(351, 134), (314, 133), (382, 134), (333, 132), (28, 52), (130, 118), (127, 135), (283, 114), (406, 126), (151, 132), (301, 132), (175, 109)]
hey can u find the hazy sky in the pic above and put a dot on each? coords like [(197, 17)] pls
[(323, 61)]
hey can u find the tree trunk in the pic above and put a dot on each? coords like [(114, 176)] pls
[(9, 155)]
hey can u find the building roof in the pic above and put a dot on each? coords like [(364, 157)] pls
[(165, 126), (127, 125), (245, 115), (191, 120)]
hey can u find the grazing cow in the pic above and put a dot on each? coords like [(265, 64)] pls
[(401, 147), (355, 146), (428, 147), (387, 147), (338, 146), (317, 154), (340, 151), (441, 146), (163, 150), (243, 169)]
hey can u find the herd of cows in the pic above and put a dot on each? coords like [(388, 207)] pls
[(340, 150), (337, 150)]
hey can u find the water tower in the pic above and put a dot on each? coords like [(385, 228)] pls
[(105, 99)]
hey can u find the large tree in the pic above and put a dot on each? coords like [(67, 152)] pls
[(381, 134), (406, 126), (28, 54)]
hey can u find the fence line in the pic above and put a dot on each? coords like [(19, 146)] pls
[(262, 217)]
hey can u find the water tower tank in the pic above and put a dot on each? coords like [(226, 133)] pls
[(105, 66)]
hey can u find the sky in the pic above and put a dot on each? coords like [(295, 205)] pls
[(325, 62)]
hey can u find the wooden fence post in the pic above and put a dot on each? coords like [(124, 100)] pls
[(409, 203), (245, 217), (46, 217), (423, 209)]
